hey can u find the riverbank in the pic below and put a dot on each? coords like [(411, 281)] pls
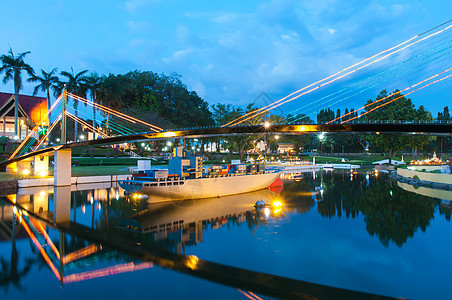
[(427, 177)]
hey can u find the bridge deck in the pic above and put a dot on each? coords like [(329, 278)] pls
[(377, 128)]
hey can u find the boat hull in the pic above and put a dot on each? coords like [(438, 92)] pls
[(202, 187)]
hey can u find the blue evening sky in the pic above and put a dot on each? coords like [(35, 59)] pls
[(227, 51)]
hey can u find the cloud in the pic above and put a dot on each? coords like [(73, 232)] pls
[(136, 27), (177, 55), (133, 6)]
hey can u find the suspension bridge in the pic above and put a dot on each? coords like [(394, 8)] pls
[(419, 67)]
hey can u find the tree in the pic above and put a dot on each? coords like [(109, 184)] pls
[(12, 66), (47, 81), (166, 95), (222, 114), (444, 142), (92, 83), (325, 115), (394, 107), (75, 84)]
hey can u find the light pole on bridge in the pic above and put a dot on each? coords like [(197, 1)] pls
[(63, 117)]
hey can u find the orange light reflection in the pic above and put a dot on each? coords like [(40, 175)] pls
[(80, 253), (38, 245), (38, 225), (129, 267)]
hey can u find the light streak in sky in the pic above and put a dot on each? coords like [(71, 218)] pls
[(117, 113), (285, 100), (381, 105), (398, 92)]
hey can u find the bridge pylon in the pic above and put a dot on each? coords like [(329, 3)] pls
[(63, 117)]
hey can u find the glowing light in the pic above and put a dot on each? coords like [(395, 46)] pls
[(169, 144), (192, 262), (16, 137), (58, 140), (21, 122), (82, 137), (116, 113), (267, 212), (15, 170), (276, 137), (143, 144), (276, 203), (302, 128), (118, 269), (169, 134), (26, 172), (80, 253), (321, 136), (266, 124), (43, 174), (42, 193), (402, 96)]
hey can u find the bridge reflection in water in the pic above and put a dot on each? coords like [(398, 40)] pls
[(156, 235)]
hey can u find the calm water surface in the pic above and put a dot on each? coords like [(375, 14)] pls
[(359, 232)]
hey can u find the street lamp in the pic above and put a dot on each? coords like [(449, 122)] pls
[(266, 126), (321, 137)]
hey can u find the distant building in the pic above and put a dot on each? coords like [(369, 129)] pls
[(285, 148), (31, 111)]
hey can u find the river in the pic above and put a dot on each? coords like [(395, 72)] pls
[(336, 234)]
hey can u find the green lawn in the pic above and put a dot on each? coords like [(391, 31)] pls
[(95, 170)]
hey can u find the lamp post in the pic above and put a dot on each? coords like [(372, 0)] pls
[(266, 126), (321, 137)]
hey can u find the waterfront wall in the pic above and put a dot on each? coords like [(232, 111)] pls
[(426, 176), (74, 180)]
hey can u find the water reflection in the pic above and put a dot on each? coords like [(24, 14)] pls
[(390, 213), (81, 233), (181, 223)]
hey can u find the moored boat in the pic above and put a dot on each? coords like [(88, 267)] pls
[(186, 179)]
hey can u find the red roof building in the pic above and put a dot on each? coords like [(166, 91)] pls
[(32, 110)]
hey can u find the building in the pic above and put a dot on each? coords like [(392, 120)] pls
[(31, 111), (285, 148)]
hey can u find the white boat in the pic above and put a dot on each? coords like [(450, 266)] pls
[(187, 181)]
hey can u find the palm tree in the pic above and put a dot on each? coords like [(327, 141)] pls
[(93, 83), (47, 81), (75, 85), (13, 66)]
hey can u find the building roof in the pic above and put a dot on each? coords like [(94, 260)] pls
[(31, 107)]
